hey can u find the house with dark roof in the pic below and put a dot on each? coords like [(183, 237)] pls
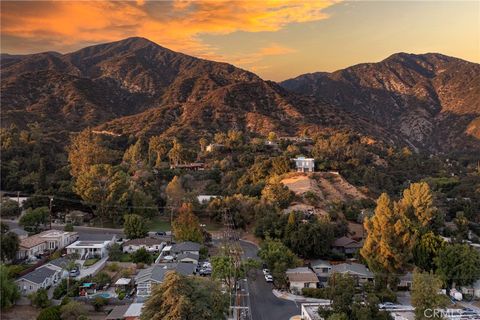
[(42, 277), (150, 244), (357, 270), (186, 247), (147, 278), (347, 246)]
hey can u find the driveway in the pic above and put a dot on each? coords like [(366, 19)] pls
[(91, 270), (263, 303)]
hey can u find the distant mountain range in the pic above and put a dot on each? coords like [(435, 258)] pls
[(135, 86)]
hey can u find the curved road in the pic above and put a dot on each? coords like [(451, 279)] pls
[(264, 305)]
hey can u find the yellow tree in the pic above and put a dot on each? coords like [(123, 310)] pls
[(175, 192), (157, 150), (389, 242), (186, 227), (417, 205)]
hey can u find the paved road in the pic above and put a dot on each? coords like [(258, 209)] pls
[(264, 305)]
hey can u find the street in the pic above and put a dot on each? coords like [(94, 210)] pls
[(264, 305)]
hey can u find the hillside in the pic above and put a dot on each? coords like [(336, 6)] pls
[(432, 101), (135, 86)]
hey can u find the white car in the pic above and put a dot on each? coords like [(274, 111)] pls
[(268, 278), (265, 272), (387, 305)]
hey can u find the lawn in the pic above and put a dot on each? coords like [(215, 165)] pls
[(90, 262), (159, 224)]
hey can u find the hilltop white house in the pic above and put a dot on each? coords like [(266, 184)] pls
[(304, 164)]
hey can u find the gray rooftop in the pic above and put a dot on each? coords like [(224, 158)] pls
[(157, 272), (352, 268), (96, 236), (194, 256), (118, 312), (60, 262), (186, 246), (19, 232), (39, 275)]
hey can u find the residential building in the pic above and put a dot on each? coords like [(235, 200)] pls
[(310, 311), (214, 147), (303, 164), (89, 249), (42, 277), (188, 258), (300, 278), (358, 271), (348, 246), (50, 240), (155, 274), (59, 265), (194, 166), (186, 247), (150, 244), (472, 290), (203, 198), (406, 281), (133, 312), (322, 269), (118, 312)]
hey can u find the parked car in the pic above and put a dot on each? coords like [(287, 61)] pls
[(268, 278), (266, 271), (74, 272), (387, 305), (161, 233), (205, 271)]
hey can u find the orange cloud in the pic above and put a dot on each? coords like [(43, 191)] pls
[(179, 25)]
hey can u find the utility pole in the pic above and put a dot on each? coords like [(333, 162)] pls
[(18, 203), (50, 209)]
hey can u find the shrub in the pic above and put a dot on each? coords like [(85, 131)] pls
[(101, 279), (142, 255), (68, 227), (317, 293), (50, 313), (113, 267), (121, 295), (99, 302)]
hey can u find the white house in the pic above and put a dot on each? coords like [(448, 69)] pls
[(46, 240), (310, 311), (42, 277), (150, 244), (300, 278), (89, 249), (188, 258), (304, 164), (204, 198)]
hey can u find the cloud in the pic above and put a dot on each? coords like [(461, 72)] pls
[(249, 60), (178, 25)]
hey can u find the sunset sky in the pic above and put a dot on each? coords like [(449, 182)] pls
[(275, 39)]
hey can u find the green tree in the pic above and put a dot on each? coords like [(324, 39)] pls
[(388, 243), (426, 250), (458, 264), (40, 298), (86, 150), (134, 226), (98, 303), (142, 256), (34, 220), (338, 316), (73, 311), (9, 208), (278, 194), (137, 153), (342, 293), (8, 289), (186, 227), (115, 252), (180, 297), (425, 294), (50, 313), (9, 243), (225, 269), (104, 188), (312, 239), (278, 258)]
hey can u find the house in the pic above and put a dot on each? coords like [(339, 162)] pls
[(89, 249), (186, 247), (118, 312), (203, 198), (347, 246), (306, 209), (155, 274), (133, 312), (214, 147), (310, 311), (300, 278), (322, 269), (42, 277), (358, 271), (188, 258), (194, 166), (406, 281), (50, 240), (473, 290), (58, 265), (150, 244), (304, 164)]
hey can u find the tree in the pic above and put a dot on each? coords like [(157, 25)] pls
[(186, 227), (98, 303), (142, 256), (104, 188), (425, 295), (9, 208), (278, 258), (225, 269), (426, 250), (312, 239), (86, 150), (9, 243), (278, 194), (8, 289), (40, 298), (175, 192), (417, 205), (176, 153), (50, 313), (137, 153), (134, 226), (72, 311), (115, 252), (203, 144), (157, 150), (342, 293), (458, 264), (272, 136), (32, 220), (180, 297), (388, 243)]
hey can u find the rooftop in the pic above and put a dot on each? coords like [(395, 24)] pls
[(347, 242), (118, 312), (186, 246), (60, 262), (352, 268), (89, 244), (158, 271), (38, 275), (134, 310), (37, 239), (302, 274)]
